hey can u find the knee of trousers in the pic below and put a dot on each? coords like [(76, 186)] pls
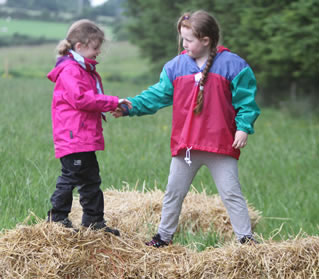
[(174, 197)]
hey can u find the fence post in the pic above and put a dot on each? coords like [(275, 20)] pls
[(6, 67)]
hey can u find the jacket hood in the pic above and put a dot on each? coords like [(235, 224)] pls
[(61, 63), (221, 49)]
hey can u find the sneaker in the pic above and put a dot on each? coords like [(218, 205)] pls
[(66, 222), (113, 231), (157, 242), (102, 226), (248, 239)]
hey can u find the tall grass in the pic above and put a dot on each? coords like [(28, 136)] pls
[(279, 168)]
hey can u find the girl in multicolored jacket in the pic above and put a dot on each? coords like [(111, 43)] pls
[(78, 107), (213, 95)]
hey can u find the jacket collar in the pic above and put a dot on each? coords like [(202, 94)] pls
[(87, 64)]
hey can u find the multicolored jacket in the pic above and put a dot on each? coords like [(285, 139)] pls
[(229, 102), (77, 105)]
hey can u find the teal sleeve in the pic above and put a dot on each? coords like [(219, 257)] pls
[(244, 90), (157, 96)]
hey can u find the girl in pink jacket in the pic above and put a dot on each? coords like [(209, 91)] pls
[(78, 107)]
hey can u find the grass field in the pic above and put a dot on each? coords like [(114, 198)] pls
[(33, 28), (36, 29), (279, 168)]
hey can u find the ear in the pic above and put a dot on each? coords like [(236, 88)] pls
[(78, 46), (205, 41)]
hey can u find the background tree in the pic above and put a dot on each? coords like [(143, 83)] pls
[(279, 39), (152, 28), (110, 8)]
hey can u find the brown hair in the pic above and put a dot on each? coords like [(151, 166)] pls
[(83, 31), (202, 25)]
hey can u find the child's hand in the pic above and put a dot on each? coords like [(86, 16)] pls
[(122, 108), (125, 102), (118, 112), (240, 139)]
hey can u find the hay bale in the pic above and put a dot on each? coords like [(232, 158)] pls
[(296, 258), (140, 212), (50, 251)]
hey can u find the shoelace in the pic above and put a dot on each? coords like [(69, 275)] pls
[(157, 242)]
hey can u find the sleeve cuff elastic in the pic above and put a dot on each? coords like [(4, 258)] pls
[(125, 109)]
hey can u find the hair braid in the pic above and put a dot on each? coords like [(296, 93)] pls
[(202, 25), (200, 96)]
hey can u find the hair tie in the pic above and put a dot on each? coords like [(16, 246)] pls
[(201, 87), (186, 17)]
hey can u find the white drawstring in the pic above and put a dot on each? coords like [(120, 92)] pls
[(188, 156), (198, 77)]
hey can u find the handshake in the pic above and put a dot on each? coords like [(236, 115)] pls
[(122, 108)]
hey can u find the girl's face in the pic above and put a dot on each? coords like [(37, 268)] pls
[(195, 48), (90, 51)]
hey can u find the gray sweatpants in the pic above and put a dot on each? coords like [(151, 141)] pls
[(224, 171)]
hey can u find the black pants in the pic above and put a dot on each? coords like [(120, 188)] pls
[(79, 170)]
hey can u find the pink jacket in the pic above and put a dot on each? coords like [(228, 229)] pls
[(77, 108)]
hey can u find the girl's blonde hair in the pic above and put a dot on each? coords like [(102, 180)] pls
[(202, 25), (83, 31)]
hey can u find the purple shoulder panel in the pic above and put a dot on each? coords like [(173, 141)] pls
[(226, 64), (181, 65)]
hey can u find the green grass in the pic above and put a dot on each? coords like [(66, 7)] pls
[(279, 168), (32, 28), (36, 28), (117, 60)]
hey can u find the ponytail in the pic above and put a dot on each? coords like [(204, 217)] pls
[(63, 47)]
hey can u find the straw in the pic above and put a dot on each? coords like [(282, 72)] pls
[(50, 251), (140, 212)]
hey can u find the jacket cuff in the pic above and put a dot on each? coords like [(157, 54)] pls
[(125, 109), (114, 102)]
